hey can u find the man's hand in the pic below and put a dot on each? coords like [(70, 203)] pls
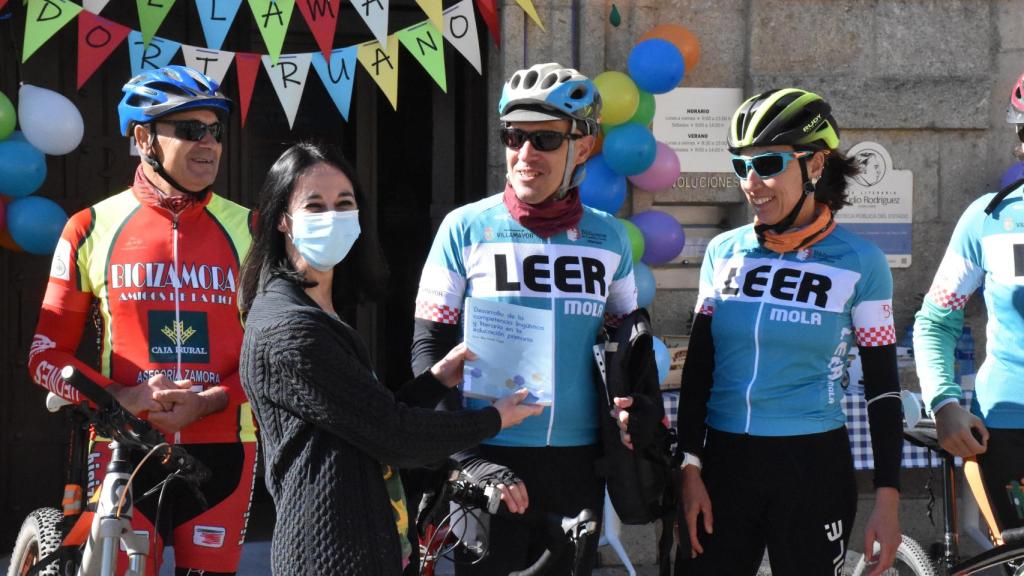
[(883, 527), (621, 416), (185, 406), (955, 428), (448, 370), (696, 502), (515, 497), (142, 398)]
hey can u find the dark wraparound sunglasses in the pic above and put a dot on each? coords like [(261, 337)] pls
[(766, 165), (542, 140), (194, 130)]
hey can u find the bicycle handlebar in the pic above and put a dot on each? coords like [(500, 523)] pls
[(563, 532)]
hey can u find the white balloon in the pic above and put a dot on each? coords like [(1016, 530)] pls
[(50, 121)]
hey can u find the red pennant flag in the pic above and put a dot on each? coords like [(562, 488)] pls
[(97, 39), (489, 11), (247, 65), (2, 4), (322, 18)]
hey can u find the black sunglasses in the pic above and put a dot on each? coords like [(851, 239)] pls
[(542, 140), (194, 130)]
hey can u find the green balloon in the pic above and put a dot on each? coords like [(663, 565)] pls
[(636, 239), (644, 110), (8, 118)]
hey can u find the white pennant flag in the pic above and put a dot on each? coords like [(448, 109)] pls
[(95, 6), (460, 31), (375, 14), (289, 79), (213, 63)]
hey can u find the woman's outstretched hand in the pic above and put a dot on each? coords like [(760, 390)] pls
[(512, 411), (448, 370)]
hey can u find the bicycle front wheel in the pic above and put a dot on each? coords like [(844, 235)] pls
[(911, 560), (40, 536)]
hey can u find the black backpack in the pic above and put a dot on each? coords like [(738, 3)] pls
[(639, 480)]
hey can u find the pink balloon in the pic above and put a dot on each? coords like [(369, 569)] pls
[(662, 173), (3, 214)]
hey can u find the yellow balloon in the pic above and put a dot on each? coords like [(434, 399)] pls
[(619, 96)]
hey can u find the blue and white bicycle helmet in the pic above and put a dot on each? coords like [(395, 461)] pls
[(156, 93)]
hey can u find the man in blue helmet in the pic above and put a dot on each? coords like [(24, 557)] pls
[(160, 263), (535, 245)]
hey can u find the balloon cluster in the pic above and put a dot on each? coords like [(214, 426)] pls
[(50, 124), (627, 150)]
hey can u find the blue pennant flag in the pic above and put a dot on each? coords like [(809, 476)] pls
[(338, 75), (157, 55), (216, 18)]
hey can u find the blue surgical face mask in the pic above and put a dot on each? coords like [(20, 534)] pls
[(324, 238)]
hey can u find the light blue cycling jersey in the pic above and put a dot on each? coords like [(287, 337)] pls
[(783, 324), (984, 251), (581, 275)]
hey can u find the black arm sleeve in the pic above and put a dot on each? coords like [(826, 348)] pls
[(696, 387), (430, 342), (885, 412)]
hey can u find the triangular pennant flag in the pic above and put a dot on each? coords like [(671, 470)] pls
[(272, 17), (425, 43), (489, 11), (289, 79), (432, 8), (322, 18), (43, 20), (460, 31), (216, 17), (375, 14), (97, 38), (157, 55), (527, 6), (2, 4), (213, 63), (338, 74), (151, 16), (94, 6), (247, 65), (382, 64)]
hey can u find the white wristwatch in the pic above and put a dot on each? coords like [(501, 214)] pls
[(690, 460)]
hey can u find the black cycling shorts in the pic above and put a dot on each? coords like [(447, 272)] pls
[(1002, 471)]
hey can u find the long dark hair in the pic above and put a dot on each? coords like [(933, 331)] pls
[(831, 187), (363, 273)]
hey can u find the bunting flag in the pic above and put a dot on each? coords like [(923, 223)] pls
[(151, 16), (2, 4), (156, 54), (247, 65), (375, 14), (213, 63), (460, 31), (216, 16), (97, 39), (527, 6), (322, 18), (382, 64), (272, 17), (489, 12), (338, 75), (425, 43), (432, 8), (43, 20), (289, 79), (94, 6)]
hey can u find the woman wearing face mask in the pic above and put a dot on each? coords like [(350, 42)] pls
[(332, 434), (766, 461)]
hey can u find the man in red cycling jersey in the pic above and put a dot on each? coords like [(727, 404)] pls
[(159, 263)]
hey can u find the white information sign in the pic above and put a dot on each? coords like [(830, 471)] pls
[(695, 123), (881, 203)]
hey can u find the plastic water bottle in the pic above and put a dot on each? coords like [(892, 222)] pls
[(964, 354)]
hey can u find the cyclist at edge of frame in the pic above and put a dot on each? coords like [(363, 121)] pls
[(766, 460), (159, 262)]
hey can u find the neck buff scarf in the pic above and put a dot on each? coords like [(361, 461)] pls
[(549, 217), (149, 194), (796, 238)]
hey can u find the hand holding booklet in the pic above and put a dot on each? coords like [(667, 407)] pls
[(514, 347)]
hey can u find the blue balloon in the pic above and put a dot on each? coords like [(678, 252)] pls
[(656, 65), (645, 288), (662, 359), (1012, 174), (602, 188), (35, 223), (629, 149), (22, 166)]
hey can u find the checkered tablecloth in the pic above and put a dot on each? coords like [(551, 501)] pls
[(857, 426)]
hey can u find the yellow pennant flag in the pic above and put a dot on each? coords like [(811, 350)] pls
[(527, 6), (433, 10), (382, 64)]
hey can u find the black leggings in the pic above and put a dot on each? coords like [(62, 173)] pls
[(795, 495)]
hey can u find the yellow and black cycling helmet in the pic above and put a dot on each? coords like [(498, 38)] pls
[(789, 116)]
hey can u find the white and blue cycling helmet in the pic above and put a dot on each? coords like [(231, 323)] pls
[(163, 91)]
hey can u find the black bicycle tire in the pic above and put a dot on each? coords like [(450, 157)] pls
[(910, 555), (40, 535)]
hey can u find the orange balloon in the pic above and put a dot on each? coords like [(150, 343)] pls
[(7, 242), (683, 39), (598, 145)]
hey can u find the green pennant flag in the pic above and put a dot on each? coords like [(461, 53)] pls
[(44, 19), (272, 17), (426, 44), (151, 16)]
